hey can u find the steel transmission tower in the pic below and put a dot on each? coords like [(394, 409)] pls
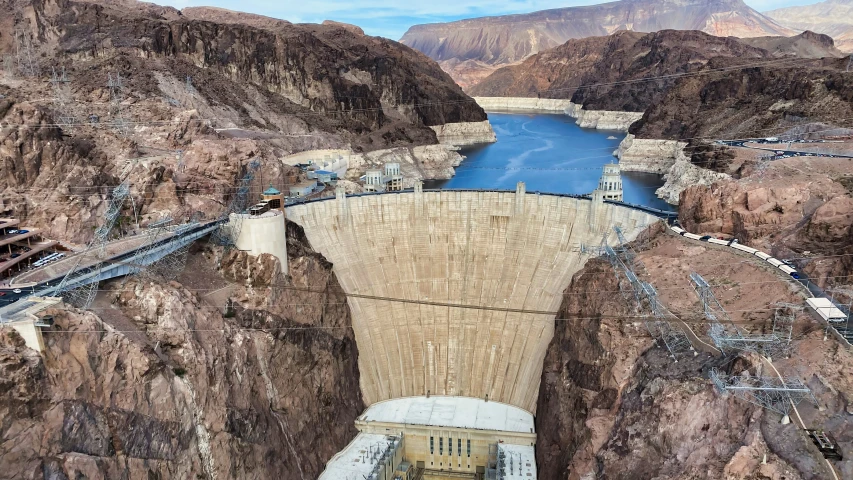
[(728, 337), (70, 288), (114, 83), (773, 393), (169, 266), (26, 59), (226, 235), (645, 297), (156, 231), (62, 100)]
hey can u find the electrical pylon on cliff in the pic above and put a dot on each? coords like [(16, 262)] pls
[(154, 233), (115, 84), (24, 53), (645, 297), (62, 100), (728, 337), (778, 394), (226, 235), (169, 266), (90, 262)]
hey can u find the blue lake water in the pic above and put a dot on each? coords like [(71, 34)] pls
[(551, 154)]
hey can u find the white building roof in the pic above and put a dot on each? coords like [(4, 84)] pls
[(519, 462), (458, 412), (354, 461), (825, 308)]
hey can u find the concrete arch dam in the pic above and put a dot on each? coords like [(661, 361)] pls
[(511, 250)]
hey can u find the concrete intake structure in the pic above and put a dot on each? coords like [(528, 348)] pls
[(261, 234), (499, 250)]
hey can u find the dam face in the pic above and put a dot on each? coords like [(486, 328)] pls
[(502, 250)]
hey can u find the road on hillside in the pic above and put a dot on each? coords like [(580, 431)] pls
[(776, 152)]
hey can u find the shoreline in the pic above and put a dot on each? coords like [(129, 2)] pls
[(656, 156), (596, 119)]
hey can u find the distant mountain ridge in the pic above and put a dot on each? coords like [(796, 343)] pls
[(689, 84), (614, 62), (831, 17), (476, 44)]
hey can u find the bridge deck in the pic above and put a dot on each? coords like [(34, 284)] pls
[(59, 269)]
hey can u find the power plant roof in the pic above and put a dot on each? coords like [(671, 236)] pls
[(356, 460), (456, 412)]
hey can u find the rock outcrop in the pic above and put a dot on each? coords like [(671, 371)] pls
[(426, 162), (805, 45), (469, 133), (832, 17), (369, 82), (683, 174), (163, 385), (753, 102), (511, 38), (602, 119), (647, 155), (750, 211), (634, 72), (617, 65)]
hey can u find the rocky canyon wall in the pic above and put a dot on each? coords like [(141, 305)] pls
[(157, 383), (613, 405)]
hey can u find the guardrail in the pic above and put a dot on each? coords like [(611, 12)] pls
[(664, 214)]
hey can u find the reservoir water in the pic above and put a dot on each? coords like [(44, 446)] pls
[(551, 154)]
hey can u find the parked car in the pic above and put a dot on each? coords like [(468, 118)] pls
[(2, 294), (23, 231), (705, 238), (17, 290)]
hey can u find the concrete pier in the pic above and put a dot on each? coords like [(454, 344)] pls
[(502, 250)]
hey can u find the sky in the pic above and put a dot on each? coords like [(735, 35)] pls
[(391, 18)]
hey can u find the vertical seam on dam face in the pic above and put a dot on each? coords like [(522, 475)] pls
[(510, 250)]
